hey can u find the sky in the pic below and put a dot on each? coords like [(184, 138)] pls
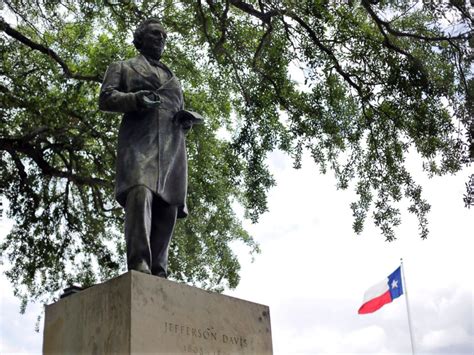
[(313, 272)]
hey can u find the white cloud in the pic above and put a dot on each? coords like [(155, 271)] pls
[(357, 340), (17, 331), (450, 337)]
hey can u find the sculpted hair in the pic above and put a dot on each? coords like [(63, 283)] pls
[(141, 30)]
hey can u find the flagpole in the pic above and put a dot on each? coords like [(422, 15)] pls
[(408, 307)]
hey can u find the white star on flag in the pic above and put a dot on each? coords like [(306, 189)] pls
[(394, 283)]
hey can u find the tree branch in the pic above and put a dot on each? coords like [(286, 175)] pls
[(314, 37), (265, 17), (262, 43), (386, 25), (223, 20), (229, 57), (249, 9), (5, 27), (387, 43), (37, 155), (69, 112)]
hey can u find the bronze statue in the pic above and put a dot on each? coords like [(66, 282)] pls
[(151, 166)]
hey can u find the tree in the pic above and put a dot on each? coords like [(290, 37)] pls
[(381, 79)]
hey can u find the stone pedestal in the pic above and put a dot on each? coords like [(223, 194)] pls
[(137, 313)]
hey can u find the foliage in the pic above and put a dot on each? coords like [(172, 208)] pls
[(381, 79)]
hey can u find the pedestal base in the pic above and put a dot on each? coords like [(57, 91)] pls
[(142, 314)]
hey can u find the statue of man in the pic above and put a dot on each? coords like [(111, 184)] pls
[(151, 166)]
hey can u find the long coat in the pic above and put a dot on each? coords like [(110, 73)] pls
[(151, 143)]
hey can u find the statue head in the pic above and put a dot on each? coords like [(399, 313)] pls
[(149, 38)]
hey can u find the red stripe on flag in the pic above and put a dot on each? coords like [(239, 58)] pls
[(375, 303)]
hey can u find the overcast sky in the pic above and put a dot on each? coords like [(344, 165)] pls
[(313, 272)]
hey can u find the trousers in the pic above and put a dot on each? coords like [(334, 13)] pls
[(149, 224)]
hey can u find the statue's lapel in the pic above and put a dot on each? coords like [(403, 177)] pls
[(141, 66), (172, 82)]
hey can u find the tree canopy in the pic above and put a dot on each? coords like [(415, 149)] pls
[(382, 79)]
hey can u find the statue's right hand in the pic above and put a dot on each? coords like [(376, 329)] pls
[(146, 99)]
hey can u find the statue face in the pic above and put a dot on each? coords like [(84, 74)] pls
[(153, 41)]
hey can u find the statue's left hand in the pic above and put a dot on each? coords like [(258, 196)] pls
[(147, 99), (150, 103)]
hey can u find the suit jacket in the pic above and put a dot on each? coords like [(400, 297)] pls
[(151, 143)]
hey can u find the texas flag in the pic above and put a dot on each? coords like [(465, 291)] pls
[(382, 293)]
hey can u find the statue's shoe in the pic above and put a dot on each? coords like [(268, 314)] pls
[(142, 267)]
